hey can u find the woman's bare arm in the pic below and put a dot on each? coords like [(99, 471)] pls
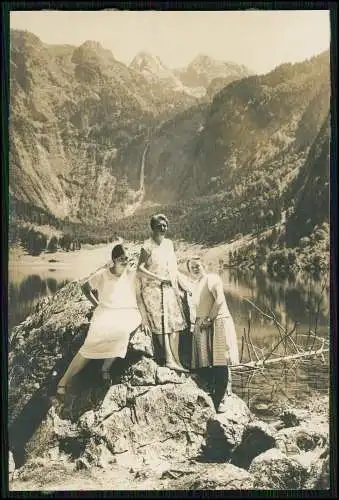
[(141, 305), (87, 290), (219, 298), (184, 283), (142, 267)]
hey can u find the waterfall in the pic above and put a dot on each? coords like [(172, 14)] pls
[(48, 242), (142, 170), (141, 192)]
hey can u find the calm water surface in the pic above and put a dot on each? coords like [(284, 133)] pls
[(300, 300)]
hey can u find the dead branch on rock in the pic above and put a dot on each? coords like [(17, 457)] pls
[(265, 362), (298, 352), (279, 326)]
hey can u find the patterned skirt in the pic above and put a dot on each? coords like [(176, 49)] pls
[(164, 309), (215, 345)]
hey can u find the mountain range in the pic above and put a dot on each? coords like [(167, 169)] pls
[(91, 137), (202, 77)]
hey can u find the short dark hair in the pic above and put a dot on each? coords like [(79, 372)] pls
[(155, 219), (118, 251)]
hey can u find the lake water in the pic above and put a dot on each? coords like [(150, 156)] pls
[(301, 300)]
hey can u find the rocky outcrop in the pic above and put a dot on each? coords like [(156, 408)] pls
[(131, 423), (304, 437), (276, 470), (148, 410), (151, 425)]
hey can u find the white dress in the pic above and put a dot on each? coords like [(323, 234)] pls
[(115, 318)]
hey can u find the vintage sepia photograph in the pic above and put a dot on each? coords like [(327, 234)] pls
[(169, 250)]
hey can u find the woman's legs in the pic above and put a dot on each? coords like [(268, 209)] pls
[(106, 366), (221, 374), (171, 346), (229, 385), (75, 366), (207, 375), (166, 350)]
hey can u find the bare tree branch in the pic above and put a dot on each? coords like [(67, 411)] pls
[(264, 362)]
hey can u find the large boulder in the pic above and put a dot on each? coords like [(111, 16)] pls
[(310, 434), (224, 431), (41, 347), (275, 470), (147, 410), (131, 424)]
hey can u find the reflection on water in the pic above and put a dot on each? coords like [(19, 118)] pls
[(303, 301), (299, 299), (23, 296)]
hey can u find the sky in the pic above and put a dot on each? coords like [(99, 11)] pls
[(261, 40)]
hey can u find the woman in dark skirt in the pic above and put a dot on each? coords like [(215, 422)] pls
[(214, 341)]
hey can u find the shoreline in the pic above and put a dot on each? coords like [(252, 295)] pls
[(100, 253), (90, 257)]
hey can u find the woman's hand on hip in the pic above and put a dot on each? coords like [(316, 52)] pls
[(203, 322)]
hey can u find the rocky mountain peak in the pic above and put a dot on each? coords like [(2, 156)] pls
[(203, 63), (151, 66), (153, 69), (24, 38), (202, 60), (204, 69), (144, 58), (91, 51)]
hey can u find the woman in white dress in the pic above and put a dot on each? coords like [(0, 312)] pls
[(114, 319)]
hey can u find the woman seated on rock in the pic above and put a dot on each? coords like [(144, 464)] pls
[(114, 319), (162, 307)]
